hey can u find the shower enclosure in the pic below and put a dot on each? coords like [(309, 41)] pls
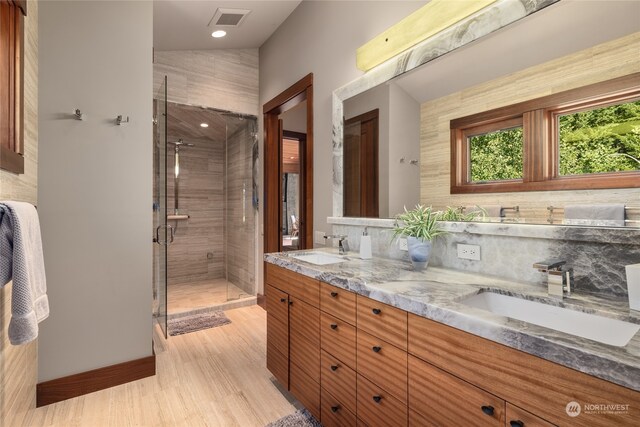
[(204, 213)]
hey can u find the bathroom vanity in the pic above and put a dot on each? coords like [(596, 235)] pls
[(370, 342)]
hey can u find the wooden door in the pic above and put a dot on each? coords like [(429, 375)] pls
[(361, 187)]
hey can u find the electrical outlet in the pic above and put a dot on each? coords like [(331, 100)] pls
[(469, 252), (402, 244), (318, 238)]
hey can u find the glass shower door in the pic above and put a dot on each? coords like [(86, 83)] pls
[(162, 237)]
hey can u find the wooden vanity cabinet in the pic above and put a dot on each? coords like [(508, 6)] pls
[(353, 361), (443, 400), (293, 333), (536, 385)]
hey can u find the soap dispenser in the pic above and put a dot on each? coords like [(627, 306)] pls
[(365, 245)]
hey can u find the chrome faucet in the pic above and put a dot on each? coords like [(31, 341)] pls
[(559, 277), (343, 244)]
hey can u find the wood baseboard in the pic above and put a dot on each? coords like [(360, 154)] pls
[(262, 301), (76, 385)]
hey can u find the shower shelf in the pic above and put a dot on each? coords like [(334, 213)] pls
[(177, 217)]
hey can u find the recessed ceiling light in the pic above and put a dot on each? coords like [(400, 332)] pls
[(204, 125), (219, 33)]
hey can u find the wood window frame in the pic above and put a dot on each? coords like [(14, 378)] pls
[(12, 13), (540, 139)]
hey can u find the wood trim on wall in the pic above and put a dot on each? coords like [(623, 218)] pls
[(83, 383), (300, 91)]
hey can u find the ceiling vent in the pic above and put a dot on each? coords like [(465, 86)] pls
[(228, 17)]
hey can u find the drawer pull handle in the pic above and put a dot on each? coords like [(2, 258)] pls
[(283, 300), (334, 326), (334, 367), (516, 423), (376, 349), (376, 311), (335, 408), (487, 409), (334, 294), (377, 399)]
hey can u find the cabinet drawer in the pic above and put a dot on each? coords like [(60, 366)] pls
[(338, 338), (295, 284), (334, 413), (305, 354), (277, 334), (517, 417), (339, 380), (539, 386), (383, 363), (443, 399), (304, 319), (383, 321), (376, 407), (338, 302), (278, 365), (305, 389), (277, 304)]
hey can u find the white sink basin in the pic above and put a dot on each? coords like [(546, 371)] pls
[(591, 326), (320, 259)]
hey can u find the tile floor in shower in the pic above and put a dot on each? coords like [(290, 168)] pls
[(195, 296)]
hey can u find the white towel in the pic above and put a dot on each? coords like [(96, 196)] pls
[(21, 260), (602, 214)]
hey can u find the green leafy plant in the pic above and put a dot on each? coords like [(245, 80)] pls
[(457, 214), (421, 222)]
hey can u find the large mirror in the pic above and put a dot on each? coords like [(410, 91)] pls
[(393, 126)]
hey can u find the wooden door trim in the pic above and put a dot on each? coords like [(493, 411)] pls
[(300, 91)]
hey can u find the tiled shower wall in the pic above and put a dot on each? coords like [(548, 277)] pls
[(240, 213), (197, 253)]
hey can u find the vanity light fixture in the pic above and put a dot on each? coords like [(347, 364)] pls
[(218, 34), (204, 125), (435, 16)]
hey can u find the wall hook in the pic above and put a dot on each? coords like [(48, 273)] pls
[(120, 120), (414, 162), (79, 115), (401, 159)]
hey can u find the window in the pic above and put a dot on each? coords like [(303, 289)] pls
[(599, 140), (495, 152), (11, 79), (586, 138)]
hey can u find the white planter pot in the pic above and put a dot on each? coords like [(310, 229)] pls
[(419, 252)]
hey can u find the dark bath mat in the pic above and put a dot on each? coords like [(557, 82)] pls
[(197, 322), (300, 418)]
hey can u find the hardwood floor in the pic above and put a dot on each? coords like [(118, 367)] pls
[(191, 296), (215, 377)]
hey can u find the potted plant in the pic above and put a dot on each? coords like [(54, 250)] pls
[(420, 226)]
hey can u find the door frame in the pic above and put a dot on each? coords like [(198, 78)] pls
[(297, 93)]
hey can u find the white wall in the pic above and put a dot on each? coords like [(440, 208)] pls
[(95, 183), (404, 141), (321, 37)]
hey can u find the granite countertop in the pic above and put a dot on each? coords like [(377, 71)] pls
[(436, 294)]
